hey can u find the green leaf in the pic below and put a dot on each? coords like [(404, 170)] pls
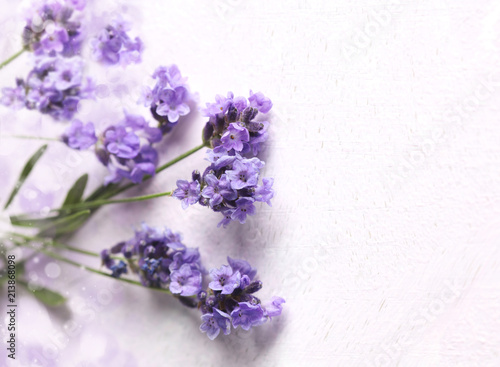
[(63, 225), (27, 221), (25, 172), (75, 194), (48, 297)]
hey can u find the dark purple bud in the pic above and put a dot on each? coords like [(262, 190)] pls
[(248, 114), (232, 114), (230, 304), (220, 124), (196, 175), (103, 156), (208, 131), (116, 249), (254, 126), (107, 261), (254, 287)]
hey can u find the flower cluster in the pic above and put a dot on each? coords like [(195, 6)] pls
[(55, 86), (162, 261), (232, 123), (124, 148), (113, 45), (170, 97), (230, 300), (53, 28), (230, 184)]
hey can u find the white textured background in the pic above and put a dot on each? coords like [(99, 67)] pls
[(384, 232)]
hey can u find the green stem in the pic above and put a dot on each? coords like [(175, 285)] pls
[(180, 158), (32, 137), (96, 203), (12, 58), (92, 270), (119, 190), (60, 245)]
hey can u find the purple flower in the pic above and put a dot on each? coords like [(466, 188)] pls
[(244, 207), (185, 281), (224, 279), (80, 136), (187, 192), (53, 29), (244, 173), (243, 267), (217, 190), (234, 137), (169, 99), (172, 104), (227, 214), (260, 102), (54, 41), (214, 322), (220, 106), (118, 269), (274, 307), (146, 98), (113, 45), (14, 97), (211, 191), (77, 4), (54, 86), (141, 128), (189, 256), (247, 315), (265, 192), (121, 143)]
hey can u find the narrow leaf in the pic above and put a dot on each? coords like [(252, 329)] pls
[(49, 297), (27, 221), (75, 194), (59, 225), (25, 172)]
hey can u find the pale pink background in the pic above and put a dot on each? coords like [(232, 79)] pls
[(384, 232)]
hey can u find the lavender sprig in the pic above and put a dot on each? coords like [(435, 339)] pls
[(160, 260), (230, 184), (114, 46)]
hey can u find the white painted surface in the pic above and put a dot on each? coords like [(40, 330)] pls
[(384, 233)]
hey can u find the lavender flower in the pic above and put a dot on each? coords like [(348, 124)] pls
[(55, 86), (126, 149), (160, 260), (260, 102), (230, 184), (170, 97), (247, 315), (229, 115), (80, 136), (214, 322), (274, 308), (113, 45), (234, 137), (224, 280), (187, 192), (54, 29), (185, 281), (227, 301), (151, 252)]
